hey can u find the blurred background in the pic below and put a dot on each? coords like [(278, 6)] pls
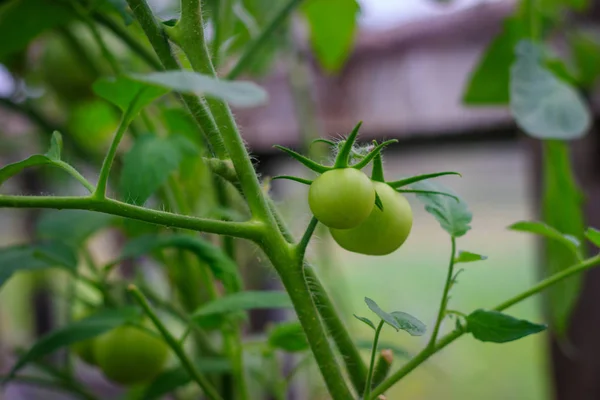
[(405, 78)]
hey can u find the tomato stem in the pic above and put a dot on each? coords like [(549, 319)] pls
[(444, 301), (372, 363)]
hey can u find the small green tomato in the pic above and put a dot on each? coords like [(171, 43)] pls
[(341, 198), (128, 355), (383, 231)]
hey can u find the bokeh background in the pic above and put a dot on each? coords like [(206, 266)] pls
[(405, 80)]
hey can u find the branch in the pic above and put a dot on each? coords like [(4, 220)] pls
[(444, 302), (247, 230)]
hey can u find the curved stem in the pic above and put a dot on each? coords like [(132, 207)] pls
[(452, 336), (372, 363), (444, 302), (100, 192), (310, 229), (189, 366), (75, 174), (252, 49), (247, 230)]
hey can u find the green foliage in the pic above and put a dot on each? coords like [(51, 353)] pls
[(398, 320), (21, 21), (593, 236), (540, 228), (123, 91), (542, 105), (496, 327), (332, 25), (238, 94), (586, 53), (366, 320), (490, 80), (175, 378), (288, 337), (454, 216), (71, 226), (242, 301), (36, 257), (148, 165), (86, 328), (467, 256)]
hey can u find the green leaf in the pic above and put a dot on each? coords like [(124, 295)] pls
[(87, 328), (408, 323), (36, 257), (542, 229), (496, 327), (417, 178), (490, 80), (467, 256), (122, 91), (52, 157), (238, 93), (222, 267), (172, 379), (118, 6), (21, 21), (243, 301), (288, 337), (397, 319), (586, 52), (365, 320), (453, 216), (542, 105), (71, 226), (148, 165), (561, 192), (332, 25), (593, 235)]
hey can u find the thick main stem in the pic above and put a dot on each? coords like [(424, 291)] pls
[(444, 301)]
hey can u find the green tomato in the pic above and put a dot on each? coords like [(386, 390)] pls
[(341, 198), (383, 231), (92, 124), (84, 349), (128, 355)]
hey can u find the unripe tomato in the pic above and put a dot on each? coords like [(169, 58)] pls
[(341, 198), (84, 349), (383, 231), (128, 355), (92, 124)]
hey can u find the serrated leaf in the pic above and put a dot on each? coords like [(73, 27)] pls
[(542, 105), (21, 21), (147, 166), (36, 257), (237, 93), (365, 320), (243, 301), (593, 236), (87, 328), (172, 379), (453, 216), (222, 267), (543, 229), (561, 192), (409, 324), (123, 91), (71, 226), (288, 337), (332, 25), (490, 79), (467, 256), (496, 327)]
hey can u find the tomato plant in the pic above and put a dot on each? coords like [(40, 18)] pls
[(179, 188)]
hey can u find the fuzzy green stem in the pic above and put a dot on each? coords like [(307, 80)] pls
[(372, 362), (310, 229), (158, 39), (100, 192), (253, 49), (452, 336), (131, 41), (189, 34), (75, 174), (444, 301), (247, 230), (189, 366), (382, 367)]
